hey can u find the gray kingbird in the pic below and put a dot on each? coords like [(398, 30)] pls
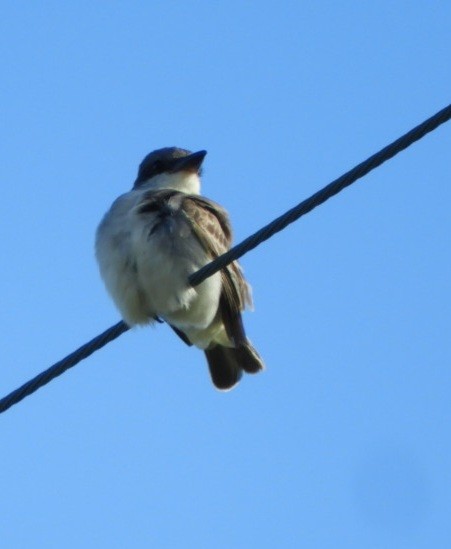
[(158, 234)]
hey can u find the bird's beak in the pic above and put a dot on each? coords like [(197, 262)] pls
[(190, 163)]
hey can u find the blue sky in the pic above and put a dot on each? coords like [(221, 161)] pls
[(344, 440)]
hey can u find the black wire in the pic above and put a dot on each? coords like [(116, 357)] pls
[(239, 250), (321, 196), (60, 367)]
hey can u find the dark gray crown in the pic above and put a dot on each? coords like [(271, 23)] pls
[(167, 160)]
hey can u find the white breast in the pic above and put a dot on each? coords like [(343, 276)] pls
[(147, 274)]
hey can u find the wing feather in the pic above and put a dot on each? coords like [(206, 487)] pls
[(211, 225)]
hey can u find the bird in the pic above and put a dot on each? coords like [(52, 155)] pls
[(153, 238)]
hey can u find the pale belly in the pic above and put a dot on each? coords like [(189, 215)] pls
[(148, 277)]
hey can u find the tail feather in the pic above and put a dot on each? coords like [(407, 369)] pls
[(224, 369), (226, 364), (249, 359)]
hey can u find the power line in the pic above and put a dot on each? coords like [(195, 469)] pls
[(322, 195), (61, 366), (239, 250)]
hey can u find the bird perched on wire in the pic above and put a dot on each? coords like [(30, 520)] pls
[(149, 243)]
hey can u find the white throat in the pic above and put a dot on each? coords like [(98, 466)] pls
[(184, 182)]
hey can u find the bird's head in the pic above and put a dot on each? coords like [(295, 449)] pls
[(171, 168)]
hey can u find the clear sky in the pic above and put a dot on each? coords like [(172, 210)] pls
[(344, 441)]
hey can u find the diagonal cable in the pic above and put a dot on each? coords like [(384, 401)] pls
[(322, 195), (239, 250)]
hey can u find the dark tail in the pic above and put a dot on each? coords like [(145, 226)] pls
[(226, 364)]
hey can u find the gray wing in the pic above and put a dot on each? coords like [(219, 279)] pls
[(210, 223)]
